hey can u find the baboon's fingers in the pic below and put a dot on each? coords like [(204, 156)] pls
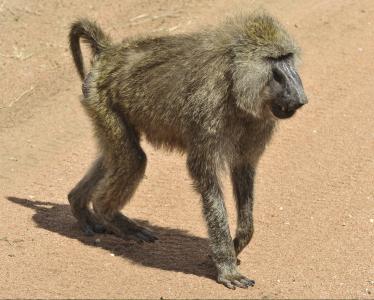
[(247, 282), (235, 281), (228, 284), (240, 284)]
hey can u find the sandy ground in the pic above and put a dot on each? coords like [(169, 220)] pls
[(314, 206)]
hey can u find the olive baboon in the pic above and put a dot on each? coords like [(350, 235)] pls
[(215, 95)]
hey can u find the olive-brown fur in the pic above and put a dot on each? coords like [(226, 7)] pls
[(204, 94)]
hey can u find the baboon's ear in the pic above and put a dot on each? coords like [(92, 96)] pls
[(249, 78)]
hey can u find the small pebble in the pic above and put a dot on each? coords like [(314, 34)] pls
[(111, 254), (281, 208), (371, 220)]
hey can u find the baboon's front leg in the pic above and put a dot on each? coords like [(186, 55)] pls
[(242, 179), (215, 213)]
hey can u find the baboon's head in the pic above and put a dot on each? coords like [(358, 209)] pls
[(284, 89), (266, 81)]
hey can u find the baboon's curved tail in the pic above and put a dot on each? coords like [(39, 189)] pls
[(91, 34)]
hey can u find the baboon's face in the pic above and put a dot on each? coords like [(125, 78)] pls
[(285, 89)]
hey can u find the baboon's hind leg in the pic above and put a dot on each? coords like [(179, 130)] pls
[(125, 163), (80, 197)]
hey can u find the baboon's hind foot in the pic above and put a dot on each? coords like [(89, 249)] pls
[(88, 222), (127, 229)]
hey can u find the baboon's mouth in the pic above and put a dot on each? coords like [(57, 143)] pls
[(281, 112)]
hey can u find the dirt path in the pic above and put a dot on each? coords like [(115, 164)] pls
[(314, 206)]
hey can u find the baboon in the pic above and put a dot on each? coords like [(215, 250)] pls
[(215, 94)]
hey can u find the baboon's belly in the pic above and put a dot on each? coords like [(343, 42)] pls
[(160, 134)]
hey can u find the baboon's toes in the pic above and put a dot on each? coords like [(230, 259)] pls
[(89, 227), (137, 234), (87, 230), (129, 230), (144, 235), (89, 223), (90, 230)]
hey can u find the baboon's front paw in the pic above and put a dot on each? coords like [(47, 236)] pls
[(232, 281)]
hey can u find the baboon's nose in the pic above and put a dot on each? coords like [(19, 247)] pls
[(295, 105), (297, 97), (297, 101)]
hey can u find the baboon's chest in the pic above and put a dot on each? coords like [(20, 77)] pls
[(249, 136)]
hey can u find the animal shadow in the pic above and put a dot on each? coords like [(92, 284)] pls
[(176, 250)]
